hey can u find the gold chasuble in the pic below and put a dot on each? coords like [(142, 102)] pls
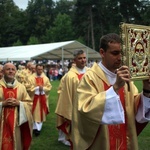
[(88, 133), (40, 107), (65, 124), (15, 135), (67, 92), (41, 98)]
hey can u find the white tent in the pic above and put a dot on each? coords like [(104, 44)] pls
[(50, 51)]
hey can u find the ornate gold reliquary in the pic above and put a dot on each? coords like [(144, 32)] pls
[(136, 49)]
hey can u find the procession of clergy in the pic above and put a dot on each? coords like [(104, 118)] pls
[(97, 107), (28, 89), (38, 86)]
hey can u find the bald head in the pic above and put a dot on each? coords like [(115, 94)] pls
[(33, 68), (7, 65), (29, 64), (9, 71)]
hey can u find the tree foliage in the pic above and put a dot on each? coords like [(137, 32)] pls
[(46, 21), (62, 29), (33, 40)]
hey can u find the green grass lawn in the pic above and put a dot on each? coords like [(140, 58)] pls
[(144, 137), (49, 134)]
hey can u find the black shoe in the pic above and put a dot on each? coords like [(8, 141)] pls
[(34, 130), (37, 133)]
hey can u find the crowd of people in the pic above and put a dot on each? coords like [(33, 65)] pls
[(98, 107)]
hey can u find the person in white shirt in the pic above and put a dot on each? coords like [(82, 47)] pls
[(60, 73), (108, 111)]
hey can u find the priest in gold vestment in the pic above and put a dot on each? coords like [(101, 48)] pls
[(15, 112), (67, 92), (39, 88), (109, 113)]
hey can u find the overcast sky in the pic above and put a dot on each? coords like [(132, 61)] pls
[(22, 3)]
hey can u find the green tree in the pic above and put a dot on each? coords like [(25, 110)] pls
[(33, 40), (93, 18), (145, 12), (62, 29), (84, 20), (88, 19), (65, 7), (130, 10), (18, 43), (39, 13), (10, 23)]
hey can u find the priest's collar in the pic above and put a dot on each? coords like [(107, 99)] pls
[(81, 71), (10, 84), (38, 75), (110, 75)]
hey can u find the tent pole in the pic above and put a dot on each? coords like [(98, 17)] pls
[(62, 57), (87, 56)]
